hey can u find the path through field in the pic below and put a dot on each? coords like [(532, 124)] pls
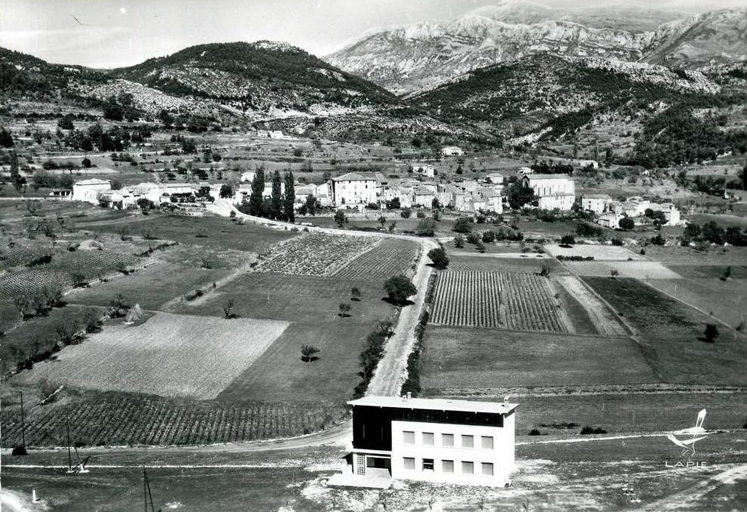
[(598, 312), (391, 372)]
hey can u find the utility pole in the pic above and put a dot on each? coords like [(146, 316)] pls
[(69, 455)]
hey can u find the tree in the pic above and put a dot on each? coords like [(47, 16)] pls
[(382, 220), (439, 258), (567, 240), (6, 139), (713, 233), (86, 163), (399, 288), (711, 333), (355, 294), (66, 122), (426, 227), (228, 310), (519, 195), (658, 240), (277, 197), (256, 203), (92, 320), (226, 190), (405, 213), (340, 219), (290, 197), (344, 309), (308, 352), (462, 225), (626, 223), (392, 226), (16, 179), (459, 241), (435, 204), (311, 204)]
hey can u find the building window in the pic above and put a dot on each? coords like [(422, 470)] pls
[(468, 468), (447, 466), (409, 462), (487, 442), (428, 439), (428, 465), (447, 439), (408, 437), (487, 469), (468, 441)]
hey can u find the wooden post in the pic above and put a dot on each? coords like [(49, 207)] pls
[(23, 424)]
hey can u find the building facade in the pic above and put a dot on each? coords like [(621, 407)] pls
[(354, 189), (451, 441), (596, 203), (89, 190), (554, 191)]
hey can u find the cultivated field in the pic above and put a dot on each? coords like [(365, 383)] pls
[(168, 355), (672, 335), (390, 257), (132, 419), (516, 301), (490, 263), (724, 300), (151, 287), (314, 254), (469, 362), (602, 319), (598, 252), (637, 269)]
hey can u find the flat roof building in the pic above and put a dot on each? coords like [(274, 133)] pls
[(452, 441)]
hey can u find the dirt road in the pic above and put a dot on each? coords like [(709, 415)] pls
[(392, 370)]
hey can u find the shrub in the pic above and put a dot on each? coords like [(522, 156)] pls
[(405, 213), (535, 432), (658, 240), (426, 227), (420, 215), (459, 241), (592, 430), (567, 240), (462, 225), (626, 223), (617, 241), (488, 237), (711, 333)]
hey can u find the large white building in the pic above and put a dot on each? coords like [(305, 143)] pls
[(353, 189), (89, 190), (450, 441), (553, 190), (452, 151)]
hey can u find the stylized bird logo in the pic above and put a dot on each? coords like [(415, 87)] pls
[(696, 433)]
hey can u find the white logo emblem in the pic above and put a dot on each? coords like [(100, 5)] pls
[(690, 436)]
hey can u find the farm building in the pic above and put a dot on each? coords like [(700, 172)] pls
[(451, 441), (354, 189), (554, 191), (452, 151), (89, 190)]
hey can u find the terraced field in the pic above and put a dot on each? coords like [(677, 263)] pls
[(388, 258), (516, 301)]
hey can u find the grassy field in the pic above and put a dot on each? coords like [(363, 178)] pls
[(637, 269), (630, 412), (295, 299), (280, 374), (151, 287), (174, 356), (215, 232), (724, 300), (487, 263), (672, 335), (463, 361)]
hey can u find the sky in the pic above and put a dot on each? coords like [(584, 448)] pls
[(114, 33)]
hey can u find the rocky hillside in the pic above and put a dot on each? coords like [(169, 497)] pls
[(258, 79), (425, 55)]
